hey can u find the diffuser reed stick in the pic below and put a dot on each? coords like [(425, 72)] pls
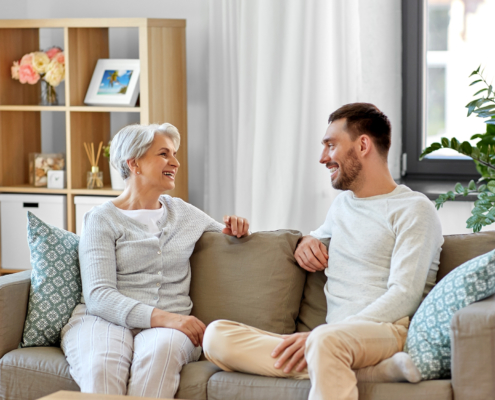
[(95, 176)]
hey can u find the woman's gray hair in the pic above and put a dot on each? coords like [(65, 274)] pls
[(133, 141)]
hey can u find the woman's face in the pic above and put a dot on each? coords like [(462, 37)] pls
[(158, 167)]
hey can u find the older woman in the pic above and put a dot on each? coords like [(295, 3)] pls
[(133, 333)]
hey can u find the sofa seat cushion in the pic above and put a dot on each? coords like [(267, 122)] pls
[(235, 385), (194, 380), (430, 390), (239, 386), (34, 372)]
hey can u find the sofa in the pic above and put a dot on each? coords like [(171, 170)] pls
[(30, 373)]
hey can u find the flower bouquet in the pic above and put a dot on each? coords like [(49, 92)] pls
[(46, 65)]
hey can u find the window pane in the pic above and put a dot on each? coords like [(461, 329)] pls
[(459, 38)]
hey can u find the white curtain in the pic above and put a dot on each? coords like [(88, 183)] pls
[(277, 69)]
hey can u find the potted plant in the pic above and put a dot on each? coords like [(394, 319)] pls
[(116, 179), (483, 155)]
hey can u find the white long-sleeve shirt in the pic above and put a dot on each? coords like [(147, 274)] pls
[(383, 256)]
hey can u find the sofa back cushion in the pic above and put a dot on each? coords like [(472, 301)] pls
[(457, 249), (253, 280)]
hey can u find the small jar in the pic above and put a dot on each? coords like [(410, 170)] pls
[(94, 178)]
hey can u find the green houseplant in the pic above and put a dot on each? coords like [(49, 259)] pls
[(483, 155)]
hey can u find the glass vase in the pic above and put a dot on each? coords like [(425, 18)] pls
[(94, 179), (48, 94)]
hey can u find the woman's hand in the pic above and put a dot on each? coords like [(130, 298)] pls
[(235, 226), (187, 324)]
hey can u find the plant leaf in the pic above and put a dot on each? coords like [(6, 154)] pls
[(491, 186), (445, 142), (472, 185), (466, 148), (474, 82), (480, 91), (459, 188)]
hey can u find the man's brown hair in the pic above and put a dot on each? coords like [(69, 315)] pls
[(365, 119)]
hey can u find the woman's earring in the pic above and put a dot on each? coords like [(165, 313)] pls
[(138, 172)]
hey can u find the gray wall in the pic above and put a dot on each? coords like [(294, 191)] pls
[(196, 14)]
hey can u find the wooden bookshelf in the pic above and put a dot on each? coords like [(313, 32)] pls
[(162, 55)]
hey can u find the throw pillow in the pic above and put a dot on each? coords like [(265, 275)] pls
[(253, 280), (428, 340), (55, 282)]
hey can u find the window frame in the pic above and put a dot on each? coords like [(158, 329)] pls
[(414, 25)]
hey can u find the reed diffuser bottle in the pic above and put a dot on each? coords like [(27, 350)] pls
[(95, 176)]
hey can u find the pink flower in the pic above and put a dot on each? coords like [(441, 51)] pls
[(27, 59), (53, 52), (27, 74), (15, 70), (60, 58)]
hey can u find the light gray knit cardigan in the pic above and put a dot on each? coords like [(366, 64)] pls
[(127, 271)]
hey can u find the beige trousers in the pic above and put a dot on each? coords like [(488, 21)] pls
[(332, 353)]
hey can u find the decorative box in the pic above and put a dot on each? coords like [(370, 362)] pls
[(56, 179), (40, 164)]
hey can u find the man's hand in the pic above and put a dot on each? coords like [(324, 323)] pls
[(235, 226), (311, 254), (293, 351), (192, 327)]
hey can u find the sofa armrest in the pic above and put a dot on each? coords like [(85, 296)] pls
[(473, 351), (14, 296)]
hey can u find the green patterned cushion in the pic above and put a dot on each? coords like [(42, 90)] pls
[(428, 340), (55, 282)]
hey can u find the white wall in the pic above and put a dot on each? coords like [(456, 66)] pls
[(196, 14)]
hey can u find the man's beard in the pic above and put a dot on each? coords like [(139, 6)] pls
[(348, 171)]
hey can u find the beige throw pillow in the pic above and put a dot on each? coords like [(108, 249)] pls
[(253, 280)]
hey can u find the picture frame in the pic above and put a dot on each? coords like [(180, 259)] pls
[(115, 82)]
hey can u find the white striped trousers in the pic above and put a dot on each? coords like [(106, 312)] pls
[(109, 359)]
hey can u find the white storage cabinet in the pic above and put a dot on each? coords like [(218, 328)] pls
[(13, 224), (86, 203)]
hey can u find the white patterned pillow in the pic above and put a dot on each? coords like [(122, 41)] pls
[(428, 340), (55, 282)]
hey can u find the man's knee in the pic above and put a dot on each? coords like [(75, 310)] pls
[(216, 344), (323, 336)]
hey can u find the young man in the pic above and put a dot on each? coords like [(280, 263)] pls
[(383, 255)]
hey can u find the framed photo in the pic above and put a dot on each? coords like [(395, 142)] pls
[(114, 83)]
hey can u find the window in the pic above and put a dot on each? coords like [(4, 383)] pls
[(443, 41)]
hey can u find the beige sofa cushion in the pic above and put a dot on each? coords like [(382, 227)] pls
[(457, 249), (314, 303), (234, 385), (34, 372), (194, 380), (254, 280)]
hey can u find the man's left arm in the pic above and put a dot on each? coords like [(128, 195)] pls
[(417, 246)]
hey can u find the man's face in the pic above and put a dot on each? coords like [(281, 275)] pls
[(339, 156)]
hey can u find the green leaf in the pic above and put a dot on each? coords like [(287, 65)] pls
[(472, 185), (466, 148), (490, 129), (445, 142), (491, 186), (482, 188), (459, 188), (474, 82), (489, 91), (475, 153), (486, 108), (450, 195), (480, 91), (454, 144), (490, 122)]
